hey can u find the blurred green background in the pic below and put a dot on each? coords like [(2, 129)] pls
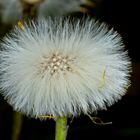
[(124, 115)]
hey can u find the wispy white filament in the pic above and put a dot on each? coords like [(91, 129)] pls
[(61, 67)]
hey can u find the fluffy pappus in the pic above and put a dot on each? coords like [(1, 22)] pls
[(63, 67)]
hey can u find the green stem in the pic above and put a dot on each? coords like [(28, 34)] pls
[(17, 124), (61, 128)]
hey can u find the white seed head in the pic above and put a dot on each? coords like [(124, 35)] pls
[(61, 67)]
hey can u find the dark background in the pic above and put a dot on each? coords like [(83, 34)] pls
[(124, 115)]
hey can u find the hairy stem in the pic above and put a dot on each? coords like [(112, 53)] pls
[(61, 128)]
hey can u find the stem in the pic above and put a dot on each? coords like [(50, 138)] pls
[(61, 128), (17, 125)]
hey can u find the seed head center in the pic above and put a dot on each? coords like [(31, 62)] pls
[(57, 63)]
